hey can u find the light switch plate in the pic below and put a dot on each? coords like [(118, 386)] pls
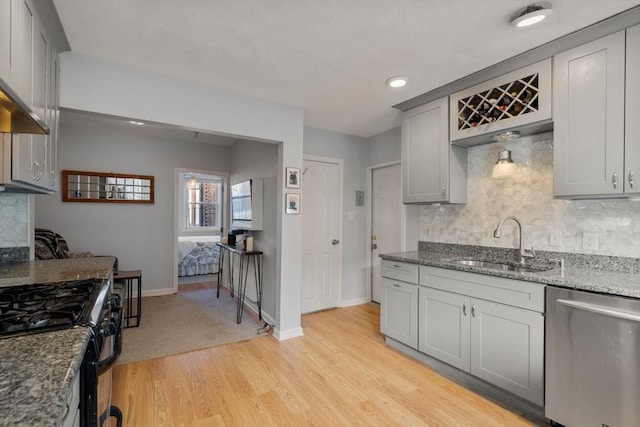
[(589, 241)]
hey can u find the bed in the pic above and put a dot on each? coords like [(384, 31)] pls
[(197, 255)]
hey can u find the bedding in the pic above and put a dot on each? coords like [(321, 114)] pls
[(197, 255)]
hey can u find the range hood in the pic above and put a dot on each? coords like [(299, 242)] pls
[(16, 116)]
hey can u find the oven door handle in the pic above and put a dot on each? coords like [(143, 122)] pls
[(114, 327)]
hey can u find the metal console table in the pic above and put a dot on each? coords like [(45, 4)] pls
[(245, 259), (127, 277)]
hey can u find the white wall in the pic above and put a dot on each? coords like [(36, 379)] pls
[(141, 236), (354, 151), (89, 84)]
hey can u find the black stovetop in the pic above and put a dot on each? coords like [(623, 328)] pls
[(44, 307)]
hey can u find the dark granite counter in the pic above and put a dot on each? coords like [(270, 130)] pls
[(55, 270), (36, 376), (37, 371), (609, 275)]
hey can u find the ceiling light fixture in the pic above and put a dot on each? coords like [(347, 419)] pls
[(531, 15), (135, 123), (397, 81)]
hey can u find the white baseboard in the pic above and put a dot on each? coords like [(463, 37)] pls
[(355, 301), (153, 292), (285, 335)]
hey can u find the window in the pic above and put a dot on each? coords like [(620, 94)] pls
[(203, 202)]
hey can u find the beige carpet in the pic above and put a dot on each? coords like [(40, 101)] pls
[(190, 320)]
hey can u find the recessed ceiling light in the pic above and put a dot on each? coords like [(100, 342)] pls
[(397, 81), (531, 15), (133, 122)]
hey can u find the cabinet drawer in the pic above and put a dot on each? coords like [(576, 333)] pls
[(400, 271), (516, 293)]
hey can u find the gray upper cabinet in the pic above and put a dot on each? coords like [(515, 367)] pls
[(29, 65), (632, 113), (9, 41), (589, 119), (517, 100), (432, 170)]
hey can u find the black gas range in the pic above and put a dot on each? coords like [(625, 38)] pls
[(41, 308)]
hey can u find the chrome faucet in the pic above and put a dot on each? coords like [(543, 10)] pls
[(523, 253)]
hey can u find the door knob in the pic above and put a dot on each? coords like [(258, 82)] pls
[(335, 242), (374, 246)]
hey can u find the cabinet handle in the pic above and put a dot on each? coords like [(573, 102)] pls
[(464, 308), (473, 310), (614, 180), (396, 285), (631, 179), (395, 265), (444, 192)]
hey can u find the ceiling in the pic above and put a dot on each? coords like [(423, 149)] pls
[(331, 57)]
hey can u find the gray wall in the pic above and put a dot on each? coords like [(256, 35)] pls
[(384, 147), (141, 236), (354, 152), (89, 84), (260, 160)]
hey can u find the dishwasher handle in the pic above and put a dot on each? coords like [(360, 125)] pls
[(605, 311)]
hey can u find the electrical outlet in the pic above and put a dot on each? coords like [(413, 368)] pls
[(555, 238), (589, 241)]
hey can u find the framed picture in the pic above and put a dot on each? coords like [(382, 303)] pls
[(292, 203), (293, 178)]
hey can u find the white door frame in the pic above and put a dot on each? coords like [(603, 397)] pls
[(177, 205), (340, 163), (368, 207)]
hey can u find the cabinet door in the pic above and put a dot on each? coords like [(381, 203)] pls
[(632, 113), (425, 153), (507, 348), (41, 65), (9, 42), (444, 328), (53, 122), (399, 311), (22, 166), (26, 37), (588, 110)]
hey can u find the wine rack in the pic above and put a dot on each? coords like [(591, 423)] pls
[(517, 99)]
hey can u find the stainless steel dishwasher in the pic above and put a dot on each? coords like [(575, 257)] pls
[(592, 349)]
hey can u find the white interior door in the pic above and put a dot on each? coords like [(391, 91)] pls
[(386, 206), (321, 234)]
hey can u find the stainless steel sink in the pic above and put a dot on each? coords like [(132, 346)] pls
[(502, 266)]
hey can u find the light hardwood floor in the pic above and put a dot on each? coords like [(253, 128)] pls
[(340, 373)]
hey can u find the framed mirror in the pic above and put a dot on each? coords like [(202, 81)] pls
[(106, 187)]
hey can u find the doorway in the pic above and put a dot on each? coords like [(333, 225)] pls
[(321, 209), (386, 213), (201, 219)]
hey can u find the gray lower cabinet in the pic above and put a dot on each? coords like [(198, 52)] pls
[(444, 327), (494, 339), (399, 305), (507, 348)]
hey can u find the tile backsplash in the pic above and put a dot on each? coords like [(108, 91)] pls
[(530, 198), (14, 218)]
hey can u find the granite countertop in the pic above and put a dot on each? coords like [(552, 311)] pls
[(37, 370), (55, 270), (36, 376), (609, 275)]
